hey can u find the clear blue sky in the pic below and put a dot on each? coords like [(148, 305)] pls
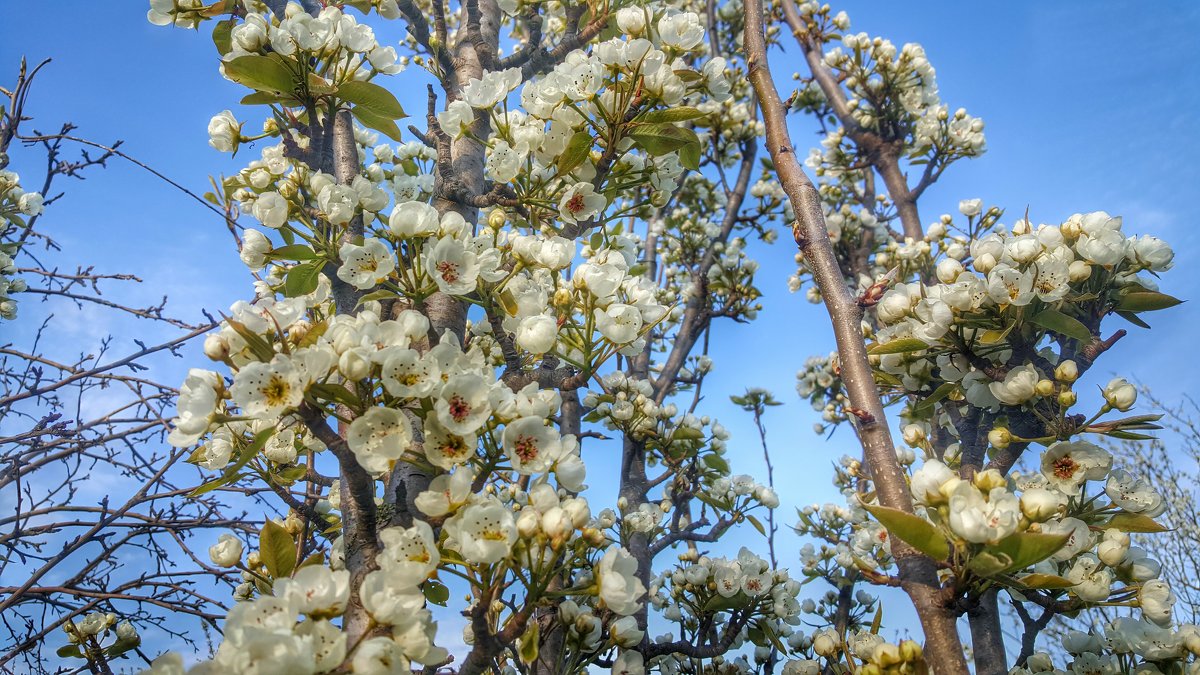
[(1089, 105)]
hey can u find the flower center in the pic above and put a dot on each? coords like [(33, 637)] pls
[(459, 409), (276, 391), (448, 270), (575, 204), (1065, 467), (525, 448)]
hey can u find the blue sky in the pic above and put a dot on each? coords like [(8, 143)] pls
[(1089, 105)]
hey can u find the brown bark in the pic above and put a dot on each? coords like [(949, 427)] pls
[(918, 573)]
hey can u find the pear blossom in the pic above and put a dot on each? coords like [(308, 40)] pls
[(483, 531), (447, 449), (411, 550), (1156, 600), (406, 372), (267, 390), (227, 552), (453, 266), (1018, 386), (1119, 394), (195, 407), (1067, 465), (580, 203), (463, 407), (379, 437), (255, 247), (537, 333), (1134, 494), (411, 220), (1091, 578), (492, 88), (618, 586), (271, 209), (456, 119), (619, 323), (927, 482), (365, 266), (316, 590), (982, 518), (224, 132), (530, 444)]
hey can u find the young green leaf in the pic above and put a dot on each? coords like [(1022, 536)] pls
[(915, 530), (1062, 324), (372, 97), (576, 151), (380, 123), (302, 279), (262, 73), (277, 550)]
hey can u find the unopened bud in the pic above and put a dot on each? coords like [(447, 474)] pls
[(990, 479), (1066, 372), (1044, 388), (999, 438), (216, 347)]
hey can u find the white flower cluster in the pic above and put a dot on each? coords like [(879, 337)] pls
[(1113, 648), (1096, 552), (985, 286), (15, 205), (892, 92), (820, 384)]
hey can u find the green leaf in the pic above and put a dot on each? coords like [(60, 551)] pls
[(262, 73), (1146, 301), (901, 346), (302, 279), (716, 462), (661, 139), (1062, 324), (69, 651), (277, 550), (381, 294), (337, 393), (380, 123), (757, 524), (577, 150), (1047, 581), (259, 347), (372, 97), (292, 474), (1134, 522), (317, 558), (1020, 550), (689, 156), (231, 472), (527, 644), (718, 603), (678, 114), (877, 622), (1130, 436), (915, 530), (686, 433), (925, 406), (266, 98), (293, 252), (1132, 318), (222, 36), (319, 86), (688, 75), (436, 592)]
